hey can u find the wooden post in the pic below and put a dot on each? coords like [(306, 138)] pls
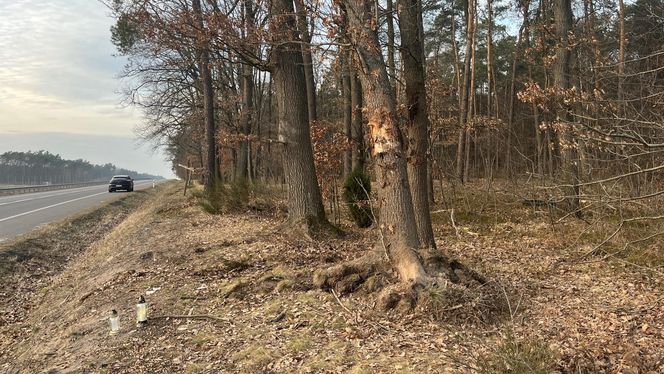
[(190, 171)]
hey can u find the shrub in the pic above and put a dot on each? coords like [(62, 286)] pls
[(357, 190), (225, 197)]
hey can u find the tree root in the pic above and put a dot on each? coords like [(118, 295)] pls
[(374, 273), (346, 277)]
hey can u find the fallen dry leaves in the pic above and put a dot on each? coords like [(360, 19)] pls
[(232, 293)]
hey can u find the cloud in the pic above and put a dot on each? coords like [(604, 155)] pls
[(57, 69)]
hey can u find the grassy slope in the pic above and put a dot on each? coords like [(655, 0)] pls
[(245, 287)]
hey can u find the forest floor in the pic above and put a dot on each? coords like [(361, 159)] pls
[(232, 293)]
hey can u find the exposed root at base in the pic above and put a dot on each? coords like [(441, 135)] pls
[(452, 290), (348, 276)]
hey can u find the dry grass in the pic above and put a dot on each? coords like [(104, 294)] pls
[(512, 356), (548, 311)]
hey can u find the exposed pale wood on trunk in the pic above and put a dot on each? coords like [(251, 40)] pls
[(396, 217)]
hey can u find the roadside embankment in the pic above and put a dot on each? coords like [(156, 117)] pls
[(232, 293), (30, 262)]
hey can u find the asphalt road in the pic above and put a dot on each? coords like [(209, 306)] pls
[(22, 213)]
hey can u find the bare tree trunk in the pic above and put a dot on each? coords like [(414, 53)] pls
[(305, 205), (347, 111), (243, 164), (391, 66), (268, 167), (303, 26), (398, 245), (212, 167), (465, 93), (561, 75), (243, 159), (356, 119), (621, 55), (510, 118), (489, 57), (417, 125), (472, 105), (457, 67), (538, 133)]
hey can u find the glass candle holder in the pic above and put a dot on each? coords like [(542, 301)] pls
[(114, 321), (141, 311)]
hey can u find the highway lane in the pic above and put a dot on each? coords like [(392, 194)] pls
[(22, 213)]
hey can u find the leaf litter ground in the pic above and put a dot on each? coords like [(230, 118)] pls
[(232, 293)]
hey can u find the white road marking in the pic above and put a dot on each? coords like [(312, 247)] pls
[(38, 195), (49, 206), (68, 191)]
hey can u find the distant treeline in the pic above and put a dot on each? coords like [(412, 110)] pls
[(42, 167)]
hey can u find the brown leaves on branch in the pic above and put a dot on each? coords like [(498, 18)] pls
[(329, 146)]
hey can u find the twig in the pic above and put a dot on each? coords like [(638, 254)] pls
[(343, 306), (355, 315), (456, 229), (193, 316), (594, 250), (607, 179)]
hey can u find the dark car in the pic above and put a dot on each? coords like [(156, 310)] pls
[(121, 182)]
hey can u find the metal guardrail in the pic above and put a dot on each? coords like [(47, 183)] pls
[(49, 187)]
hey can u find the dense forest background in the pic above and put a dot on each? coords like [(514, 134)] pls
[(41, 167), (573, 97)]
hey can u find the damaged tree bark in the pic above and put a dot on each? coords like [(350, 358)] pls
[(398, 246)]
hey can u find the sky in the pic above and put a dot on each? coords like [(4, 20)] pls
[(59, 89)]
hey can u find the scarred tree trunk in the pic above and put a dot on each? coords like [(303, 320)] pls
[(398, 246), (561, 76), (397, 218), (417, 125), (305, 205)]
